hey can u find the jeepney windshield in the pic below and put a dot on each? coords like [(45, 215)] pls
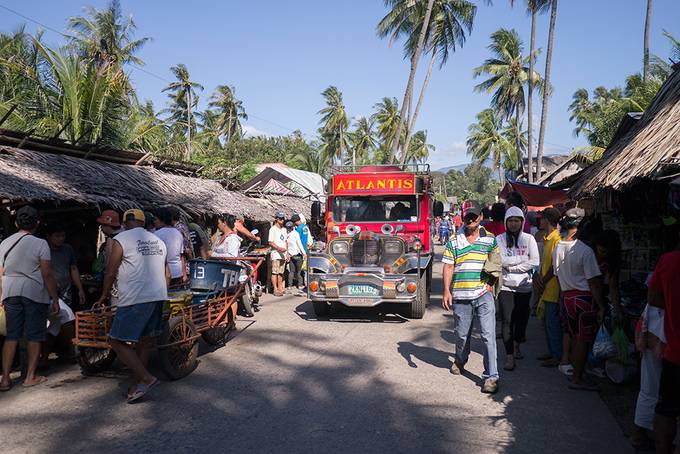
[(399, 208)]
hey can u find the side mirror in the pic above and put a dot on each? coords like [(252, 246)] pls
[(316, 211), (438, 209)]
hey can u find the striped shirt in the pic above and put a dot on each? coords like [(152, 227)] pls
[(468, 260)]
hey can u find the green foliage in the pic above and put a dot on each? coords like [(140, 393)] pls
[(474, 183), (487, 139)]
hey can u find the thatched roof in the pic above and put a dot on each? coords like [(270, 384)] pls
[(33, 176), (645, 151)]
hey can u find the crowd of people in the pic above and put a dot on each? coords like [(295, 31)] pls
[(505, 263), (140, 257)]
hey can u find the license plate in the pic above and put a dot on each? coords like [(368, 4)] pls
[(362, 290), (359, 302)]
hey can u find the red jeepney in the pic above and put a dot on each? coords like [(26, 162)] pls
[(379, 248)]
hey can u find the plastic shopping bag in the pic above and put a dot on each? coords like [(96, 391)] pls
[(604, 347)]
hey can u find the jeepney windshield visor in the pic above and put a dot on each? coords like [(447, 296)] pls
[(389, 208)]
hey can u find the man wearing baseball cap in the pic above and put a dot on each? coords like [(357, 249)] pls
[(471, 268), (278, 242), (578, 273), (138, 261)]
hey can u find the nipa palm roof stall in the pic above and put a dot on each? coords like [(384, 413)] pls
[(648, 150), (281, 179), (35, 176)]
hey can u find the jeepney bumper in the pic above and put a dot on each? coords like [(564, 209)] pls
[(363, 289)]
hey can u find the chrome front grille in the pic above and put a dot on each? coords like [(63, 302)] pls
[(365, 252)]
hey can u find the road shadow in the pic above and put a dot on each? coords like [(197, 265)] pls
[(341, 314)]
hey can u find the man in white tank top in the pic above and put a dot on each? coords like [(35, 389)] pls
[(139, 260)]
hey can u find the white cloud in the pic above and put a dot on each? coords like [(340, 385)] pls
[(453, 154), (252, 131)]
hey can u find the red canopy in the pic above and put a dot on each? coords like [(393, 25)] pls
[(535, 195)]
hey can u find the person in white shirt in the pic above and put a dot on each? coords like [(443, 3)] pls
[(174, 242), (278, 241), (579, 276), (296, 255), (519, 257), (138, 262), (229, 243)]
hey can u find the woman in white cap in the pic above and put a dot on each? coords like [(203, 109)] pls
[(519, 254)]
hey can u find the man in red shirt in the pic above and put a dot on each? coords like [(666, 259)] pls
[(664, 292)]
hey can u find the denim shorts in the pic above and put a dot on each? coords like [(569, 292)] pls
[(25, 315), (139, 320)]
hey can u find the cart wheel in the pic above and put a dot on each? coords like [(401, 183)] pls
[(216, 335), (95, 360), (178, 361)]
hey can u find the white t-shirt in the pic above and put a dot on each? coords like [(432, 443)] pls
[(278, 236), (174, 243), (518, 262), (141, 276), (227, 248), (21, 275), (295, 246), (574, 263)]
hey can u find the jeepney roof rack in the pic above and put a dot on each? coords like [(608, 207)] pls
[(420, 169)]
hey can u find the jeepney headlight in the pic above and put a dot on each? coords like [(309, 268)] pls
[(401, 287), (322, 286), (392, 247), (340, 248), (417, 245)]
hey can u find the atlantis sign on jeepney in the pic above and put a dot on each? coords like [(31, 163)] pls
[(362, 184)]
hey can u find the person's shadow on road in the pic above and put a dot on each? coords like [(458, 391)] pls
[(431, 356)]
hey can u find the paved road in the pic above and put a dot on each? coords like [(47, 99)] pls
[(290, 383)]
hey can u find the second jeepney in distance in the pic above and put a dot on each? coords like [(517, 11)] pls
[(379, 249)]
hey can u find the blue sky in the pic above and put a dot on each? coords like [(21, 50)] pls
[(280, 55)]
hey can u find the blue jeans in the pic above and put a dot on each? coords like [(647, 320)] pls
[(553, 329), (484, 310)]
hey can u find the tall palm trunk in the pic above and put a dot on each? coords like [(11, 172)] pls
[(547, 91), (645, 62), (409, 86), (412, 122), (189, 124), (518, 139), (530, 100)]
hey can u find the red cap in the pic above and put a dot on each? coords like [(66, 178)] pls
[(110, 218)]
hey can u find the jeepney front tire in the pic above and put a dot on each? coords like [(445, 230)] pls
[(321, 308), (95, 360), (179, 360), (418, 305)]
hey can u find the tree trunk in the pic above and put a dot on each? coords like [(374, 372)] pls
[(645, 63), (501, 179), (518, 139), (530, 100), (547, 91), (409, 86), (412, 123), (189, 124)]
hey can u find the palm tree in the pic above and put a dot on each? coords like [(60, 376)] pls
[(509, 74), (534, 8), (334, 122), (419, 149), (514, 135), (104, 36), (146, 132), (183, 98), (645, 58), (402, 8), (362, 140), (547, 88), (486, 141), (387, 119), (449, 21), (229, 111)]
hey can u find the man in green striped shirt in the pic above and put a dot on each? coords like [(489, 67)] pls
[(471, 267)]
